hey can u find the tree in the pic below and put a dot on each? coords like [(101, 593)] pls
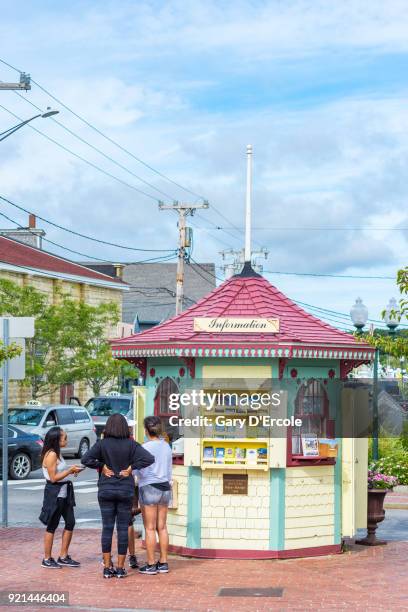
[(70, 342), (395, 344), (84, 344), (9, 352), (42, 367)]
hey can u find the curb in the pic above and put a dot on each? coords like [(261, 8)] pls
[(396, 506)]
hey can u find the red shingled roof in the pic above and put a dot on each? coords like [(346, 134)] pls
[(25, 256), (242, 296)]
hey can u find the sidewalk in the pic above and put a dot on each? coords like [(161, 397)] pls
[(397, 499), (364, 579)]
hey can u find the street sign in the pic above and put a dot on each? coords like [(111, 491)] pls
[(16, 366), (19, 327)]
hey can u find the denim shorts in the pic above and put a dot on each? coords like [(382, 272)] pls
[(150, 496)]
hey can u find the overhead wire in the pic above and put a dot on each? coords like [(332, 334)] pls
[(108, 157), (323, 275), (108, 138), (112, 141), (75, 233), (80, 157), (65, 248)]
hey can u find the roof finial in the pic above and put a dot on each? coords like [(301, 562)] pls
[(248, 205)]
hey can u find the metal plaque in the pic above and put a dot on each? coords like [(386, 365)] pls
[(235, 484)]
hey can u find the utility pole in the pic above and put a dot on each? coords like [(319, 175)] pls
[(183, 210), (25, 83)]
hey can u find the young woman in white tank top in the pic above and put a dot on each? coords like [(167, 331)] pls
[(56, 473)]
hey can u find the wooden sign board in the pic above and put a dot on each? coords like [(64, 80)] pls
[(227, 325), (235, 484)]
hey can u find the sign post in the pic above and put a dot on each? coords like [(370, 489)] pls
[(16, 329), (6, 341)]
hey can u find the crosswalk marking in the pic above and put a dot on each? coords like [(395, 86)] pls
[(26, 485), (90, 490)]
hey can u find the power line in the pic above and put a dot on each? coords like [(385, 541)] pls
[(86, 161), (214, 276), (98, 240), (108, 157), (108, 138), (317, 308), (112, 141), (314, 229), (315, 274)]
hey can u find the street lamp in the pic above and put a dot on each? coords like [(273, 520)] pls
[(7, 133), (359, 317), (359, 314), (391, 315)]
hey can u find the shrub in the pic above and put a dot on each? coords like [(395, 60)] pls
[(393, 464)]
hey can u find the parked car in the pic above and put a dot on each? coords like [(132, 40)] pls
[(75, 420), (100, 408), (24, 452)]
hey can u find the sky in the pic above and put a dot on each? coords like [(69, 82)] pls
[(319, 89)]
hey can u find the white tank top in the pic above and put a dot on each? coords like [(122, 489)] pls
[(61, 466)]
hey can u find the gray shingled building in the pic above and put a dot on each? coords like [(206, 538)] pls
[(151, 297)]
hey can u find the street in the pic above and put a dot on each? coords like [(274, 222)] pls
[(25, 499)]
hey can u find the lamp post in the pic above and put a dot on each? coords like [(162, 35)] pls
[(10, 131), (359, 317)]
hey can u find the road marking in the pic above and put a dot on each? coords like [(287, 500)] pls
[(90, 490), (24, 483), (87, 520)]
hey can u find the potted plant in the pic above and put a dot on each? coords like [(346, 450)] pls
[(378, 485)]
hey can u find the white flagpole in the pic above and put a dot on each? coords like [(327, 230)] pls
[(248, 205)]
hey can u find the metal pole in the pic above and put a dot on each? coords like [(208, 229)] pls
[(248, 205), (180, 261), (375, 405), (6, 340), (183, 211)]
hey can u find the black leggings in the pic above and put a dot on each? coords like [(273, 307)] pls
[(115, 506), (67, 513)]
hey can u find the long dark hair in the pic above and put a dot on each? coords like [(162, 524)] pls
[(153, 425), (52, 441), (116, 427)]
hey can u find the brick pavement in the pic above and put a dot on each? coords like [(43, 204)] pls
[(363, 578)]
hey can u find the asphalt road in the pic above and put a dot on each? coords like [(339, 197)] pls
[(25, 499)]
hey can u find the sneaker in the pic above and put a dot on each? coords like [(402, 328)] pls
[(68, 562), (120, 572), (108, 572), (133, 562), (162, 568), (50, 563), (147, 569)]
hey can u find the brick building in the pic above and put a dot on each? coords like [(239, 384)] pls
[(26, 264)]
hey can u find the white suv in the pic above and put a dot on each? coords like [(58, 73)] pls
[(75, 420)]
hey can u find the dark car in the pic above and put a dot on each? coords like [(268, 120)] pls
[(24, 452)]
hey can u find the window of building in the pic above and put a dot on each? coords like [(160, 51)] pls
[(161, 406), (312, 406)]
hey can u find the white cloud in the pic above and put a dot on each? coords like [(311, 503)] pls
[(169, 82)]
